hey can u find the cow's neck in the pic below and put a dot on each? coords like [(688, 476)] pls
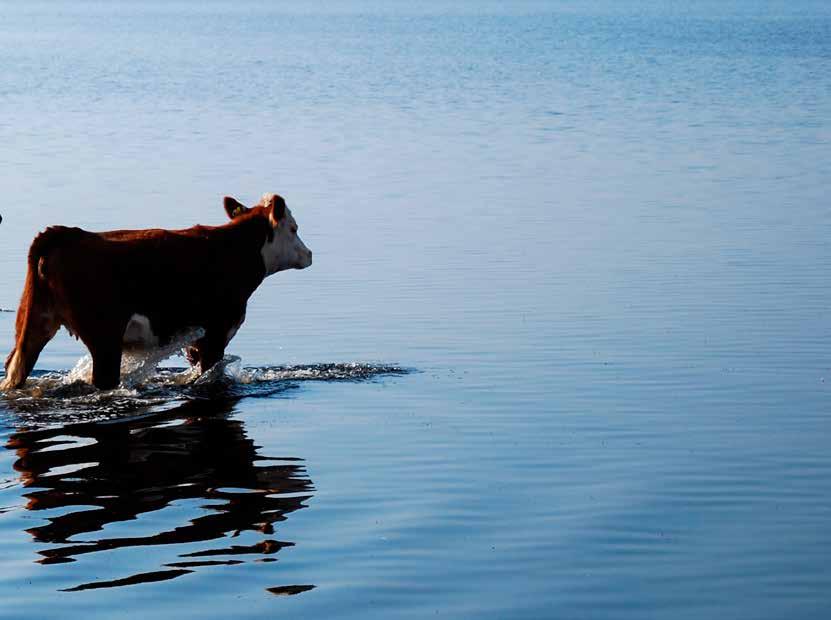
[(244, 240)]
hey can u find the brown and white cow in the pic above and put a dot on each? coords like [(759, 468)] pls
[(139, 288)]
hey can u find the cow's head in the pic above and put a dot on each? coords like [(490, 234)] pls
[(283, 248)]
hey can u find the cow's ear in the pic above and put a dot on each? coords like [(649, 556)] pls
[(277, 209), (233, 208)]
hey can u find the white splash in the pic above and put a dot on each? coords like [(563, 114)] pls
[(345, 371), (138, 366), (229, 366)]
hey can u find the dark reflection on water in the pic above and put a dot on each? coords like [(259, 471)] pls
[(103, 472)]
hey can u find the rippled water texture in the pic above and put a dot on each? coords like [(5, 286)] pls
[(563, 351), (92, 460)]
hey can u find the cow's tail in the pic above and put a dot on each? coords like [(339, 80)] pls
[(37, 320)]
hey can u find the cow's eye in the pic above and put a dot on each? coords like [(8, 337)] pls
[(294, 230)]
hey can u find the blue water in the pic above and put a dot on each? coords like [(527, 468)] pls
[(563, 353)]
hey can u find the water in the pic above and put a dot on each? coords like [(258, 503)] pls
[(568, 314)]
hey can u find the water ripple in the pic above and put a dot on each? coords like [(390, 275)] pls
[(48, 394), (194, 463)]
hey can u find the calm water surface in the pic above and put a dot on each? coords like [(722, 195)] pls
[(563, 353)]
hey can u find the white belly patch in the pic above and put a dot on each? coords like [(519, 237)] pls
[(139, 333)]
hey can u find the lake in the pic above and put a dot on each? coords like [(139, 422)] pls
[(563, 351)]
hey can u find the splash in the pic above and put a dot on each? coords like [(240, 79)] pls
[(54, 396), (350, 371), (137, 367)]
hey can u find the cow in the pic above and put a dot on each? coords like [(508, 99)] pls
[(127, 289)]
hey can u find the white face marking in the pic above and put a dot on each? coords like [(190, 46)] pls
[(286, 250), (139, 332)]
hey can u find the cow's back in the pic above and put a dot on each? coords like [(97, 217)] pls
[(177, 279)]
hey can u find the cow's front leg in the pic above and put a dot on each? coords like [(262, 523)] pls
[(209, 349), (192, 354)]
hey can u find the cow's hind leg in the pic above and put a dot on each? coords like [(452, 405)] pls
[(105, 351), (104, 338), (38, 328), (106, 364), (35, 325)]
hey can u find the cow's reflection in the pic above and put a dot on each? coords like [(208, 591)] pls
[(194, 459)]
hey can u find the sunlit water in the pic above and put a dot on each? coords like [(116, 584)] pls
[(563, 353)]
